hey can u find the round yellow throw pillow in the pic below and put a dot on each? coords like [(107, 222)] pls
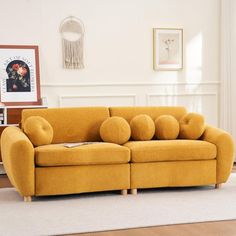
[(167, 127), (115, 130), (142, 127), (39, 131), (192, 126)]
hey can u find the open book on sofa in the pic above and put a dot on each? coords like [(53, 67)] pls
[(71, 145)]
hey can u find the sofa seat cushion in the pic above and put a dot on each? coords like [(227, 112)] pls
[(171, 150), (92, 154)]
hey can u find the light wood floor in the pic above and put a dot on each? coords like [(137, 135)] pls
[(219, 228), (4, 182)]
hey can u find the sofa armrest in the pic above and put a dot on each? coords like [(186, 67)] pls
[(18, 160), (225, 151)]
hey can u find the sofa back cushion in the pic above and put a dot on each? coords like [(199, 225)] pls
[(71, 124), (129, 112)]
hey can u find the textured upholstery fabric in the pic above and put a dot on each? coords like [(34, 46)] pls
[(97, 153), (79, 179), (115, 130), (167, 127), (71, 124), (38, 130), (225, 151), (171, 150), (173, 174), (99, 167), (129, 112), (18, 158), (192, 126), (142, 127)]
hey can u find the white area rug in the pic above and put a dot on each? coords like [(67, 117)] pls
[(109, 211)]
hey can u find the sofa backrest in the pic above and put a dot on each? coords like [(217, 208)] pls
[(71, 124), (129, 112)]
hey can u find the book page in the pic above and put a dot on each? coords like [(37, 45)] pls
[(71, 145)]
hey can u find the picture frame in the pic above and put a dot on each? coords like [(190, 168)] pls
[(19, 75), (167, 49)]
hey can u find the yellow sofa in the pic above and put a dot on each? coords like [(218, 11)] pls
[(55, 169)]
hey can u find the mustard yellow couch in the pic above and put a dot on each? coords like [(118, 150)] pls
[(54, 169)]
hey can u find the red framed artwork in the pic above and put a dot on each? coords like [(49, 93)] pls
[(19, 75)]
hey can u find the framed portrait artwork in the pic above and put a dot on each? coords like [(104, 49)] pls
[(167, 49), (19, 75)]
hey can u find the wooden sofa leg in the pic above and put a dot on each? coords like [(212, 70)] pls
[(124, 192), (217, 186), (134, 191), (28, 199)]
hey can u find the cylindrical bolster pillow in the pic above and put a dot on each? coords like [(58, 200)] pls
[(142, 127), (192, 126), (115, 130), (167, 127), (38, 130)]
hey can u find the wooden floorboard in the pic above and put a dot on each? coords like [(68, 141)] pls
[(4, 182), (219, 228)]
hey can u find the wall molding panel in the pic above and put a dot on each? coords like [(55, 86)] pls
[(98, 100), (149, 96), (130, 84), (196, 97), (205, 103)]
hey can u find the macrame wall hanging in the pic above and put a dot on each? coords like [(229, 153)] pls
[(72, 34)]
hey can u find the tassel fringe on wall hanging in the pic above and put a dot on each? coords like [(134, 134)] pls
[(72, 33)]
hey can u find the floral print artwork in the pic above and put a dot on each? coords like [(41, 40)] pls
[(18, 76)]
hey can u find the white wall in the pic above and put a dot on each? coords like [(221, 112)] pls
[(233, 67), (228, 69), (118, 51)]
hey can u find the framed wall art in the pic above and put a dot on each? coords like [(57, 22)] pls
[(167, 49), (19, 75)]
